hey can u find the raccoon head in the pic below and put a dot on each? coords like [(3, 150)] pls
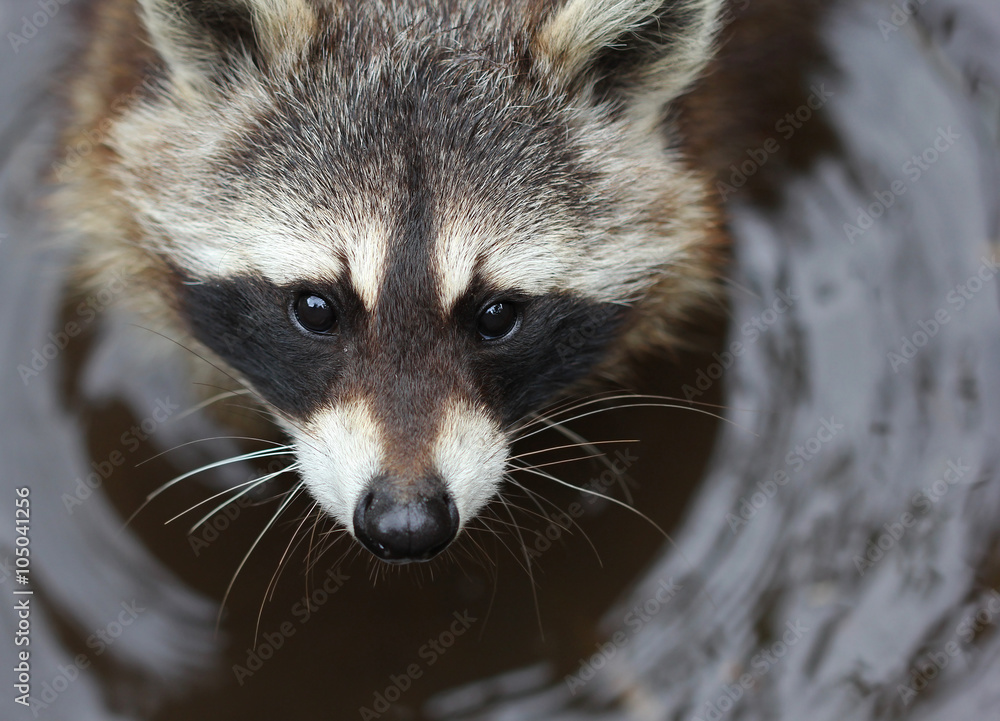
[(408, 225)]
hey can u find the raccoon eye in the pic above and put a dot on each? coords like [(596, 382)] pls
[(498, 320), (315, 313)]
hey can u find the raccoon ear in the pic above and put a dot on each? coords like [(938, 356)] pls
[(632, 50), (207, 42)]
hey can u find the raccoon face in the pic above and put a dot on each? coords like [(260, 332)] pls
[(406, 228)]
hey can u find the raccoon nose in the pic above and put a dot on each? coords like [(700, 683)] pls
[(404, 529)]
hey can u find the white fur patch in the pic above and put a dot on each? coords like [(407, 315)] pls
[(470, 454), (342, 449), (366, 246), (654, 213), (277, 234), (531, 264), (224, 246), (340, 452)]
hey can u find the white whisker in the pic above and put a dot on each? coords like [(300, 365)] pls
[(570, 445), (214, 438), (204, 404), (590, 447), (527, 560), (274, 518), (637, 512), (266, 453), (253, 484), (641, 405)]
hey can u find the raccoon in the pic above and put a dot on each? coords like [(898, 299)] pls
[(387, 218)]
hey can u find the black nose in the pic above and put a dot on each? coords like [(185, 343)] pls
[(400, 528)]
